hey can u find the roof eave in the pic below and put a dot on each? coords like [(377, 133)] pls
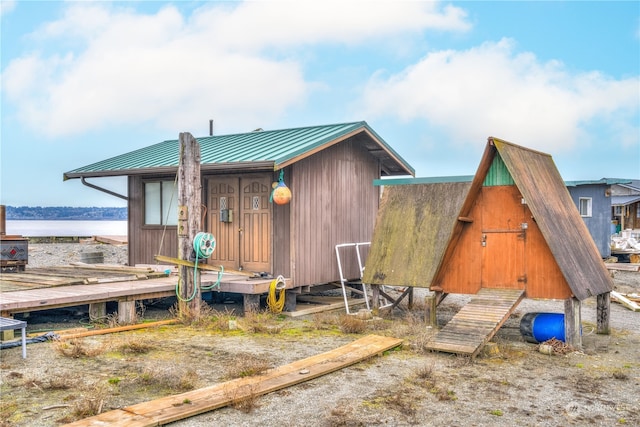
[(266, 165), (363, 128)]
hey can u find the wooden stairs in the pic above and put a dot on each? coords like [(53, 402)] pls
[(477, 322)]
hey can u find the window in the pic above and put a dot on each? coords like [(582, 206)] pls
[(160, 203), (585, 206), (617, 210)]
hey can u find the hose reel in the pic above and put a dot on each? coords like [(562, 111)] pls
[(203, 245)]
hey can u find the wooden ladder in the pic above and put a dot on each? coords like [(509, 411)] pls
[(477, 322)]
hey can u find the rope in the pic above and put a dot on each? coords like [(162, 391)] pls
[(276, 304)]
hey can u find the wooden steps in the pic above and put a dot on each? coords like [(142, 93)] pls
[(173, 408), (477, 322)]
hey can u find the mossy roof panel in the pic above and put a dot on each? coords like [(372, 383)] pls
[(413, 228)]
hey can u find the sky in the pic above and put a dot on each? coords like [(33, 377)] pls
[(83, 81)]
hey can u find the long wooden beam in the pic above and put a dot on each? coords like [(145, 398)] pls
[(180, 406), (187, 263), (105, 331)]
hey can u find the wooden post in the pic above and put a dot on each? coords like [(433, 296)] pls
[(572, 322), (127, 312), (189, 210), (430, 309), (97, 311), (603, 311), (375, 299)]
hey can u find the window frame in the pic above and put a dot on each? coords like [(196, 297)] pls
[(589, 206), (168, 215)]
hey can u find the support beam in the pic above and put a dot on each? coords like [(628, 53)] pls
[(572, 322), (97, 311), (189, 223), (430, 312), (290, 300), (251, 302), (127, 312), (603, 313)]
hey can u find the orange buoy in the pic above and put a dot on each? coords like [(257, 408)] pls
[(281, 194)]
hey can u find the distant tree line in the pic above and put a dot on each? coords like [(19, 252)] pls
[(65, 212)]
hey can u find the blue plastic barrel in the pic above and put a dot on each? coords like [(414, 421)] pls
[(540, 327)]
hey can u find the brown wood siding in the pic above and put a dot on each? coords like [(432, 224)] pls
[(146, 241), (544, 277), (509, 257), (282, 244), (334, 201)]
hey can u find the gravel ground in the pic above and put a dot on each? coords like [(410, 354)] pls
[(514, 385)]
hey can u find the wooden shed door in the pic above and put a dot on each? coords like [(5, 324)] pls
[(255, 233), (224, 195), (243, 239), (503, 239)]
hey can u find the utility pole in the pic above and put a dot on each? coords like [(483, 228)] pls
[(189, 213)]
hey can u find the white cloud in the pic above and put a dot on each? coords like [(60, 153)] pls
[(115, 66), (491, 90), (6, 6)]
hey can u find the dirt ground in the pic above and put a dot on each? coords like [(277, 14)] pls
[(513, 384)]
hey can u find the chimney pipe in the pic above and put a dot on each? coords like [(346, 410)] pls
[(211, 127)]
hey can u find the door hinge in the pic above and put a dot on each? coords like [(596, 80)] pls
[(522, 279)]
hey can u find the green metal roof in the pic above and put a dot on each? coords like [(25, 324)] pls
[(422, 180), (605, 181), (258, 150)]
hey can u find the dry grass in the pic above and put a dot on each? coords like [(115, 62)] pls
[(352, 325), (247, 365), (135, 345), (77, 348), (169, 377), (91, 402), (324, 321), (243, 398), (343, 416), (262, 322), (220, 320)]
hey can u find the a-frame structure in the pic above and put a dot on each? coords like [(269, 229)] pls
[(512, 232)]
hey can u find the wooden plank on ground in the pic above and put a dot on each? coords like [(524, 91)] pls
[(173, 408), (112, 240), (622, 266), (477, 322), (320, 304), (618, 297)]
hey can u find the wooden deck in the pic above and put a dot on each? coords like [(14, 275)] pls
[(67, 286), (477, 322), (173, 408)]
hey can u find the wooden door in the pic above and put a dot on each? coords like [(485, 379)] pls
[(503, 238), (255, 233), (224, 195)]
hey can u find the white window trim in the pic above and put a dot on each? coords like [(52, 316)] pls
[(168, 210), (589, 203)]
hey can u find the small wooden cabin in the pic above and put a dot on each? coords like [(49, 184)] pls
[(514, 227), (329, 169)]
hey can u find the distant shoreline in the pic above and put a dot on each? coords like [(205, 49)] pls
[(64, 213), (66, 227)]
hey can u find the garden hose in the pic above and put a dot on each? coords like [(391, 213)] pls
[(203, 245), (276, 304)]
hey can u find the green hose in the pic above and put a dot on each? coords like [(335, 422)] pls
[(203, 245)]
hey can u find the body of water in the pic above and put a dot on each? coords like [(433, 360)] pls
[(38, 228)]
